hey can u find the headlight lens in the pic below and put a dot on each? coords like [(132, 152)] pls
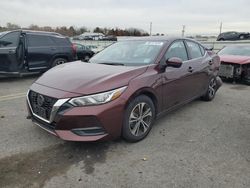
[(97, 99)]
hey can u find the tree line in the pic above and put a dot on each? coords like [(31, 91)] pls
[(74, 31)]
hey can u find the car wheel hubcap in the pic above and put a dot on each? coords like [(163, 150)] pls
[(212, 88), (60, 62), (140, 119), (86, 58)]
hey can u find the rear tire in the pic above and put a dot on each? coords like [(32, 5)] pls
[(58, 61), (139, 119), (86, 58), (211, 90)]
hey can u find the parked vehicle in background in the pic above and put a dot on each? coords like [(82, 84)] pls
[(83, 52), (89, 36), (233, 35), (123, 89), (95, 36), (109, 38), (95, 48), (23, 52), (235, 62)]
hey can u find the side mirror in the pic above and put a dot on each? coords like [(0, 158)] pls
[(174, 62)]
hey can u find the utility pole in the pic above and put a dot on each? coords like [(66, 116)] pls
[(150, 29), (183, 30), (220, 27)]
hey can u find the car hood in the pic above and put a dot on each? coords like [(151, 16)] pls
[(235, 59), (88, 78)]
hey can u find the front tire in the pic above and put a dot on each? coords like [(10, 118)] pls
[(86, 58), (211, 90), (139, 119)]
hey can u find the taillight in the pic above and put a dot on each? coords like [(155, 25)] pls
[(74, 48)]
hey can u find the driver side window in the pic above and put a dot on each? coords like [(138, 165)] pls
[(10, 40), (177, 49)]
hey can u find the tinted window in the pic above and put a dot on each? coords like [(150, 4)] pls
[(39, 40), (61, 41), (194, 50), (78, 47), (2, 34), (9, 40), (177, 49)]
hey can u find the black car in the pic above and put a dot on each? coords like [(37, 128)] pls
[(109, 38), (23, 51), (233, 35), (83, 52)]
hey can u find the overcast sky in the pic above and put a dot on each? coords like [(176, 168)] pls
[(167, 16)]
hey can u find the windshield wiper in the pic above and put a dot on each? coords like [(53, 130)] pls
[(121, 64)]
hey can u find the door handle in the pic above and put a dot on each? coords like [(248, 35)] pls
[(190, 69)]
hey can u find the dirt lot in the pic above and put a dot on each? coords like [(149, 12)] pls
[(203, 144)]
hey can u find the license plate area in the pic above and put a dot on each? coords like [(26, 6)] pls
[(226, 71)]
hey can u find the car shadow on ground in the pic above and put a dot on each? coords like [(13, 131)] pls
[(35, 168)]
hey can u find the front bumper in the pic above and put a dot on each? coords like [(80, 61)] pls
[(226, 71), (92, 123)]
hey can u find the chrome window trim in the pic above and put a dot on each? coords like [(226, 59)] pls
[(54, 110)]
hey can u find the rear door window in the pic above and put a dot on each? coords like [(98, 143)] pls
[(9, 40), (39, 40), (194, 49), (61, 41)]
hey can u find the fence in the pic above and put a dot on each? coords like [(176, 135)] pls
[(217, 45)]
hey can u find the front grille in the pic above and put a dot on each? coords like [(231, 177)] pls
[(226, 70), (41, 104)]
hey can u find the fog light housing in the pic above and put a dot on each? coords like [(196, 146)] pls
[(238, 71), (89, 131)]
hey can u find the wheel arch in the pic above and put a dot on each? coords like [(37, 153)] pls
[(57, 56), (149, 93)]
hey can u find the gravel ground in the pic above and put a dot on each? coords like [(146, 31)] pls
[(203, 144)]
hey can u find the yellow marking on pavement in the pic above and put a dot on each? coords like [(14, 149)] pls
[(12, 96)]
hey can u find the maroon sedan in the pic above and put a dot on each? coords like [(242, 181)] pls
[(123, 89), (235, 63)]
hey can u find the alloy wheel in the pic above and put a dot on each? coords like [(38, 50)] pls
[(140, 119), (60, 62), (212, 88)]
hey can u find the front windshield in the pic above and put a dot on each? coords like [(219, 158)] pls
[(129, 53), (236, 50), (2, 34)]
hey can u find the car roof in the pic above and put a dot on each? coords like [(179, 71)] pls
[(36, 32), (155, 38)]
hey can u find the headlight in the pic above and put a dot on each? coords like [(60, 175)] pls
[(96, 99)]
